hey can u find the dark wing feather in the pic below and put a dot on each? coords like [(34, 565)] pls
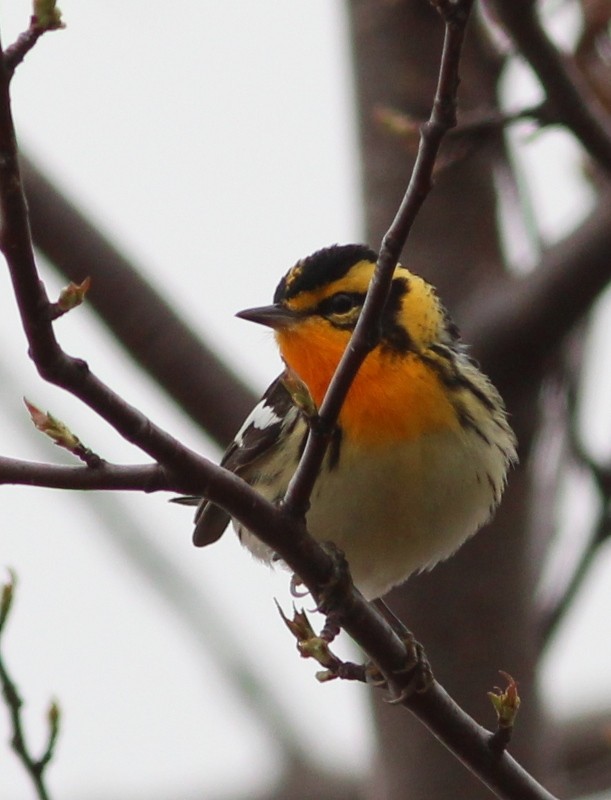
[(256, 437), (210, 523)]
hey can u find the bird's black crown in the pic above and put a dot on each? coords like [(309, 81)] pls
[(323, 266)]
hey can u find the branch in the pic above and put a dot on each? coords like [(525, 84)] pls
[(35, 767), (572, 100), (502, 774), (46, 17), (366, 332), (106, 477)]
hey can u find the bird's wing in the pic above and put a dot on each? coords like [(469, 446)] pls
[(259, 433)]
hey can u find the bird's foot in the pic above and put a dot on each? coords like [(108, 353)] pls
[(415, 675)]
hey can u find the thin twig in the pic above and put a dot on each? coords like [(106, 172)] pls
[(16, 52), (35, 767), (500, 772), (105, 477)]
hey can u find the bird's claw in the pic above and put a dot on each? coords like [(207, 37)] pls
[(336, 589), (415, 676)]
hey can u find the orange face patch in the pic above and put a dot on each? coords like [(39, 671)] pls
[(391, 399)]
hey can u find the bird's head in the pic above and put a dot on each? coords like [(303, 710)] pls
[(319, 300)]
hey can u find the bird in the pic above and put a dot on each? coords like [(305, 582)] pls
[(420, 454)]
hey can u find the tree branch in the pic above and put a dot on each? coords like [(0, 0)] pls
[(50, 20), (106, 477), (572, 100), (501, 773)]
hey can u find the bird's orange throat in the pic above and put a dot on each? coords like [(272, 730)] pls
[(394, 397)]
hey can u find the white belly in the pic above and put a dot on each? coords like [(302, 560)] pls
[(403, 509)]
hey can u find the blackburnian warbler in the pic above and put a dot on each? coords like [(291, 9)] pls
[(419, 459)]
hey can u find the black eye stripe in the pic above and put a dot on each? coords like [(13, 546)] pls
[(340, 303)]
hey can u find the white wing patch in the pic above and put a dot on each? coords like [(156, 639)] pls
[(261, 417)]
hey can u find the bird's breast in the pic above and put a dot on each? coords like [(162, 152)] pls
[(394, 397)]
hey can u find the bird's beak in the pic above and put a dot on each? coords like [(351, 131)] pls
[(275, 316)]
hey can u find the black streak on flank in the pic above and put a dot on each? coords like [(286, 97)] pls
[(451, 376)]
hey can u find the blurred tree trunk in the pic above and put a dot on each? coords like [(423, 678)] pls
[(473, 613)]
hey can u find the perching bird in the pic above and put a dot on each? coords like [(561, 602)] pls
[(419, 459)]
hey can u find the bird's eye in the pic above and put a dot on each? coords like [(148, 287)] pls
[(341, 303)]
